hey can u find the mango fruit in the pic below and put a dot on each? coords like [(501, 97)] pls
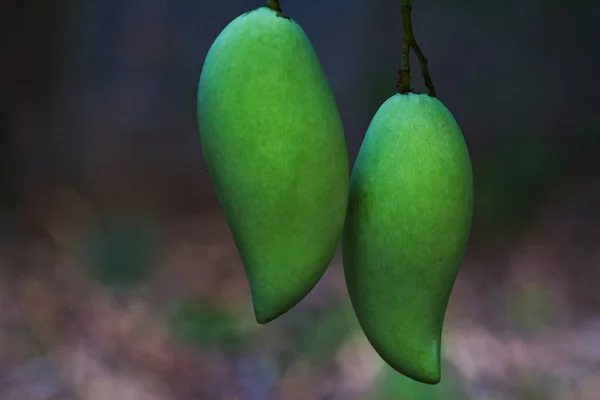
[(274, 146), (409, 218)]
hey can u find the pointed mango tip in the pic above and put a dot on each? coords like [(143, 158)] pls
[(264, 314), (269, 306), (429, 370), (421, 369), (432, 377), (263, 319)]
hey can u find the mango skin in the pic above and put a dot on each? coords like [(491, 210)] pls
[(409, 218), (274, 145)]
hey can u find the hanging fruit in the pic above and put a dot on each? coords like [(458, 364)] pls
[(274, 145), (408, 222)]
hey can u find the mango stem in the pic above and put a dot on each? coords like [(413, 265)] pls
[(408, 42), (274, 5)]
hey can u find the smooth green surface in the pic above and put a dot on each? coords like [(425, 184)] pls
[(408, 222), (274, 145)]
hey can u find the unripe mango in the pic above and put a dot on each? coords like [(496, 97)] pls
[(274, 145), (408, 222)]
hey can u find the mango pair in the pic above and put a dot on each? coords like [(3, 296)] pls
[(273, 142)]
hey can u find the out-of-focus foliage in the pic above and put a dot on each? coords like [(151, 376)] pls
[(394, 386), (532, 307), (207, 325), (320, 337), (7, 177), (537, 387), (121, 251), (513, 179)]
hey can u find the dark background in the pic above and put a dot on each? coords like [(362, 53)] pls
[(116, 260)]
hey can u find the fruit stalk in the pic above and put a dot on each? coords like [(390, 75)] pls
[(274, 5), (408, 42)]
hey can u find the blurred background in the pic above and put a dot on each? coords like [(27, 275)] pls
[(118, 275)]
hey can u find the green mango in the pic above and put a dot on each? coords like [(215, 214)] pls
[(274, 147), (409, 217)]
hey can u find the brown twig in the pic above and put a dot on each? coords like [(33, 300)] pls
[(408, 42)]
